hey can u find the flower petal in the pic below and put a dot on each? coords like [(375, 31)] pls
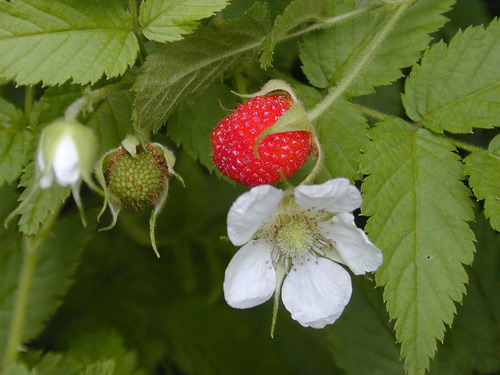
[(352, 244), (65, 164), (316, 292), (46, 179), (250, 278), (250, 211), (47, 175), (337, 195)]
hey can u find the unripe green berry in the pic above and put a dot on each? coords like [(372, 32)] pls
[(137, 181)]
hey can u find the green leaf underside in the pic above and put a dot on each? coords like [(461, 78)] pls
[(193, 121), (297, 13), (41, 204), (186, 67), (56, 264), (418, 208), (484, 170), (54, 41), (457, 88), (167, 20), (342, 132), (328, 54)]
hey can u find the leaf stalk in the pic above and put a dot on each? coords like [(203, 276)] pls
[(92, 96), (332, 21), (363, 61)]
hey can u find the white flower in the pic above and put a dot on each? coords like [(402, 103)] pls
[(291, 241)]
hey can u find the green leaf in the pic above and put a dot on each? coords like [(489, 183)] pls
[(193, 121), (297, 13), (101, 345), (419, 210), (13, 148), (186, 67), (10, 115), (112, 121), (54, 41), (364, 332), (17, 369), (494, 145), (457, 88), (14, 142), (214, 350), (56, 264), (54, 102), (168, 20), (41, 202), (100, 368), (342, 132), (328, 54), (472, 344), (483, 167), (51, 363)]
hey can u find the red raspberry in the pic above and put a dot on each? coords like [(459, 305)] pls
[(234, 138)]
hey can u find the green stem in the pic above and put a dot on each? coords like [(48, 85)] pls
[(31, 249), (91, 97), (372, 112), (132, 4), (464, 146), (329, 22), (317, 167), (365, 58)]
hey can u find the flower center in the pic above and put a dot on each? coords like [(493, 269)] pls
[(295, 235)]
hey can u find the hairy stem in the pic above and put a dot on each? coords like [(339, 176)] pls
[(382, 117), (132, 6), (464, 146), (31, 249), (330, 22), (90, 97), (363, 61), (372, 112), (317, 166)]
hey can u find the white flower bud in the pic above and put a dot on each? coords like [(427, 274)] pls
[(66, 152)]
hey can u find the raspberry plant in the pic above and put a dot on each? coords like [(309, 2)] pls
[(399, 96)]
